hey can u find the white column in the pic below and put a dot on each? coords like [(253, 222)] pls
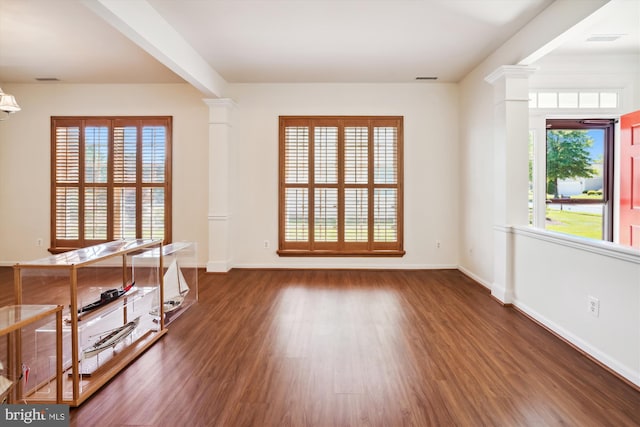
[(511, 180), (220, 156)]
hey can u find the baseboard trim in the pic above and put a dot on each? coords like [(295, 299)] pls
[(218, 267), (346, 266), (474, 277), (632, 379), (582, 347)]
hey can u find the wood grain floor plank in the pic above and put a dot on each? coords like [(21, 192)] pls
[(356, 348)]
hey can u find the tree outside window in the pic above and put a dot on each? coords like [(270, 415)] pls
[(579, 184)]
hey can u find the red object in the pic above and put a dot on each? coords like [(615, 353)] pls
[(25, 373), (630, 179), (129, 286)]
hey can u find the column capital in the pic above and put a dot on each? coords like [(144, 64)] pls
[(510, 71), (220, 110), (510, 82), (220, 102)]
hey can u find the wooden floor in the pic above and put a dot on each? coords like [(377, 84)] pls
[(357, 348)]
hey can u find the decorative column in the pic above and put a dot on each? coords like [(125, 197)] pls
[(219, 211), (511, 180)]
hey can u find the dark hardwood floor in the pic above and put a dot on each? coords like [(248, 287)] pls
[(356, 348)]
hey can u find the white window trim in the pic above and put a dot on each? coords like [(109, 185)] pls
[(537, 124)]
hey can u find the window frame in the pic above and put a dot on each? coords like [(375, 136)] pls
[(608, 174), (311, 247), (59, 245)]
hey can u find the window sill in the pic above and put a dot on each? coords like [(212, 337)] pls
[(320, 253)]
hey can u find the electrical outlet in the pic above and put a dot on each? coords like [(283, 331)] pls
[(437, 244), (594, 306), (265, 244), (39, 242)]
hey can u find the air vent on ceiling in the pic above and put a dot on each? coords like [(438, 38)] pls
[(47, 79), (604, 37), (426, 78)]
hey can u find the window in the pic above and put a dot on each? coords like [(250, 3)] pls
[(111, 179), (573, 99), (341, 186), (579, 177)]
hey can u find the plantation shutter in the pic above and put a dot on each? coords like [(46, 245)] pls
[(340, 186), (325, 194), (111, 180), (125, 178), (296, 178), (385, 201), (154, 162), (66, 178), (95, 188), (356, 179)]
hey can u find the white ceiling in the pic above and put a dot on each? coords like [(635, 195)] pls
[(281, 40), (346, 40), (66, 40), (617, 18)]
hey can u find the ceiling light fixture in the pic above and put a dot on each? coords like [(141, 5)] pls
[(8, 104)]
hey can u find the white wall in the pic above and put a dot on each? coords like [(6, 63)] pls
[(25, 145), (430, 170), (476, 179), (477, 132), (551, 281), (570, 72), (448, 184), (557, 294), (618, 72), (554, 278), (431, 166)]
